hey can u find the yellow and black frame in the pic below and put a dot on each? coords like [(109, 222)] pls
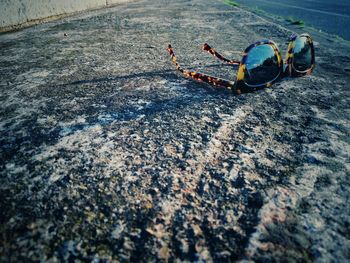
[(290, 71), (239, 85)]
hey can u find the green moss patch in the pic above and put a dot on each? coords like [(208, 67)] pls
[(231, 3)]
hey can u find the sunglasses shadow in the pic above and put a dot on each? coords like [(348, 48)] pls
[(142, 75), (169, 75), (223, 65), (191, 96)]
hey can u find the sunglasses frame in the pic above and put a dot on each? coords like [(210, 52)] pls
[(239, 85), (290, 70)]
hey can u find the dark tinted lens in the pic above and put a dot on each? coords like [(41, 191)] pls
[(302, 54), (261, 65)]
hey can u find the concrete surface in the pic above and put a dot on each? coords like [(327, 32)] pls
[(107, 153), (15, 14)]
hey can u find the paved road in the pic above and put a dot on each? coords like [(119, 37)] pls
[(329, 16)]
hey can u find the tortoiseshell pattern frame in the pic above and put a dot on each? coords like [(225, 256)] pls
[(290, 70), (239, 85), (199, 76)]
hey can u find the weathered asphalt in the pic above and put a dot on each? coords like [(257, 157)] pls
[(327, 15), (107, 153)]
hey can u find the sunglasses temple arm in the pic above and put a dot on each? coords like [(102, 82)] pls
[(199, 76), (213, 52)]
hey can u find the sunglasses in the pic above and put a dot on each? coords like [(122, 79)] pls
[(261, 64)]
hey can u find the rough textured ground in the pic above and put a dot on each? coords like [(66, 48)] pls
[(107, 153)]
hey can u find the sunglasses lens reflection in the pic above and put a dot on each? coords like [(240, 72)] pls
[(261, 65), (302, 60)]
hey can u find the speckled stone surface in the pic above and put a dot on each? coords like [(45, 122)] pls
[(107, 153)]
